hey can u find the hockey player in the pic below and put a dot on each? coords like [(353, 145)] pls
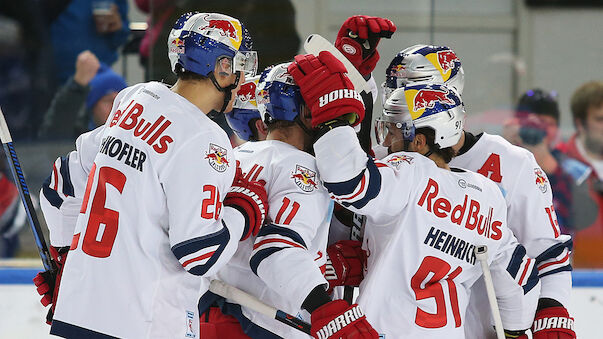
[(156, 212), (283, 264), (245, 119), (415, 204), (527, 191)]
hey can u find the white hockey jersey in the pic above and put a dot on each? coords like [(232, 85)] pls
[(286, 260), (530, 215), (422, 225), (151, 219)]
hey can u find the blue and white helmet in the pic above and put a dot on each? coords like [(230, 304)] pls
[(244, 110), (438, 107), (199, 40), (424, 64), (278, 95)]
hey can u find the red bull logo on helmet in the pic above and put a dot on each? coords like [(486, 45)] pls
[(427, 98), (247, 92), (304, 178), (397, 70), (263, 97), (217, 157), (223, 27), (447, 60), (177, 46)]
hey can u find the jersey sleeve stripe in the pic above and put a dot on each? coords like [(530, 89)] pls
[(555, 259), (520, 262), (554, 251), (272, 229), (260, 255), (363, 188), (51, 195), (269, 241), (380, 164), (564, 259), (199, 254), (67, 184)]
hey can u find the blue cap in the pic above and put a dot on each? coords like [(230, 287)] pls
[(104, 82)]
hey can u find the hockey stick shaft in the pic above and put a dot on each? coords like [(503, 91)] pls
[(481, 254), (17, 172), (245, 299)]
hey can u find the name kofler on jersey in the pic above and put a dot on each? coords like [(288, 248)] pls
[(116, 148), (442, 208)]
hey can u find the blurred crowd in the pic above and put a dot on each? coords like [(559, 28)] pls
[(57, 81)]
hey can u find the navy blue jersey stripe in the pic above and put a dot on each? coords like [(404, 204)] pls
[(187, 247), (251, 329), (516, 260), (66, 330), (284, 231), (554, 251), (567, 267), (346, 187), (532, 280), (260, 255), (67, 185), (374, 185), (51, 195)]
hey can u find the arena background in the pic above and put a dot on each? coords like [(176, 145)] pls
[(506, 47)]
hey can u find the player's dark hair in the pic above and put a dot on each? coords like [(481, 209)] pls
[(279, 124), (254, 130), (586, 96), (183, 74), (445, 153)]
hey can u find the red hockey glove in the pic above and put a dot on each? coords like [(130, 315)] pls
[(326, 88), (337, 319), (48, 282), (553, 323), (345, 263), (251, 199), (358, 38)]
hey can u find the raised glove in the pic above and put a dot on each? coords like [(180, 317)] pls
[(345, 263), (358, 38), (553, 323), (337, 319), (251, 199), (326, 88), (48, 282)]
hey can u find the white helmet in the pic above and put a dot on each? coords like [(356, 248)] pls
[(433, 106), (424, 64)]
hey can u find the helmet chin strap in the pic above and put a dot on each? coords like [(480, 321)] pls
[(226, 90)]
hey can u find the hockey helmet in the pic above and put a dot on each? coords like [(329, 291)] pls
[(424, 64), (244, 110), (278, 96), (433, 106), (200, 40)]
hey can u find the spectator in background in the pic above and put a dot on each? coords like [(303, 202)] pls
[(535, 127), (586, 145), (84, 102), (12, 214), (100, 26)]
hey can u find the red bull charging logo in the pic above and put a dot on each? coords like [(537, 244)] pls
[(447, 60), (217, 157), (224, 27), (427, 98), (177, 46), (304, 178), (247, 92), (541, 181)]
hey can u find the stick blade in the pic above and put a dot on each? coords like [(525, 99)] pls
[(315, 44)]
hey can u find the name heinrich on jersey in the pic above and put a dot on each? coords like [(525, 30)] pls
[(466, 214)]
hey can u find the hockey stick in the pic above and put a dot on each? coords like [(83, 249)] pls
[(315, 44), (15, 168), (481, 254), (245, 299)]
